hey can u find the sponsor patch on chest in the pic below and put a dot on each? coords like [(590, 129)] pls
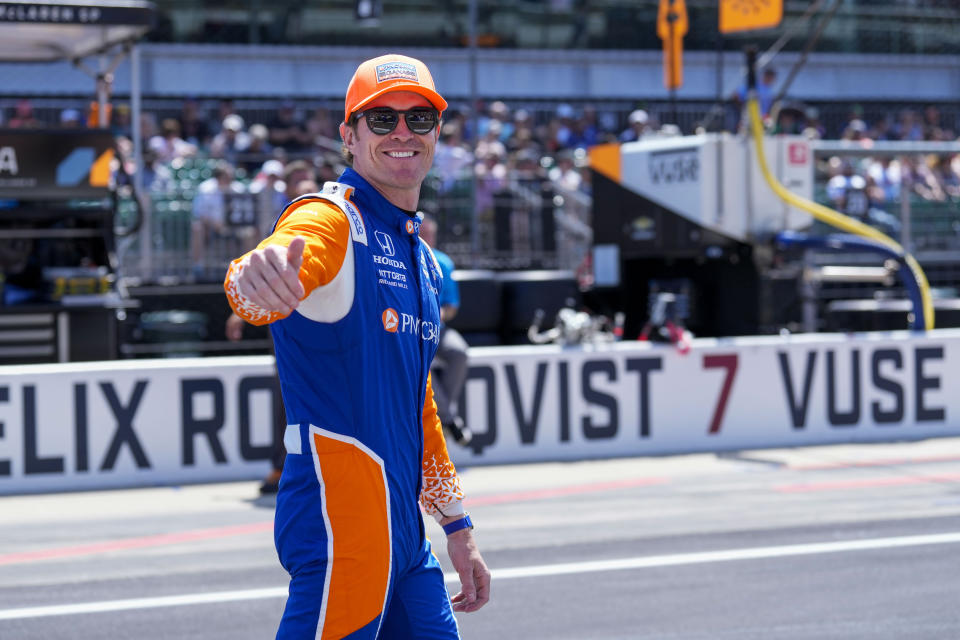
[(390, 271)]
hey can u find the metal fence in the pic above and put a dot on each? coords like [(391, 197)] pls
[(522, 223), (909, 190)]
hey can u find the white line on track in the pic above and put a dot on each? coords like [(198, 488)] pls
[(643, 562), (142, 603)]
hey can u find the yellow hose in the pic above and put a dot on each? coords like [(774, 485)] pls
[(835, 218)]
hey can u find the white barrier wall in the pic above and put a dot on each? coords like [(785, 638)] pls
[(134, 423), (548, 403), (145, 422)]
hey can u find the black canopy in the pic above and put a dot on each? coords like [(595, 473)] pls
[(48, 31)]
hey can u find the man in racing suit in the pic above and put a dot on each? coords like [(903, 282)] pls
[(352, 295)]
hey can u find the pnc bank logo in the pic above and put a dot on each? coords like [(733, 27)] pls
[(391, 321)]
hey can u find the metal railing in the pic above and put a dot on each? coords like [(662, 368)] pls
[(522, 222), (924, 220), (927, 215)]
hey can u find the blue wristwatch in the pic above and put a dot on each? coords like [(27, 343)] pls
[(463, 523)]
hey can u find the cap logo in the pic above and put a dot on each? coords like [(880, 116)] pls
[(396, 71)]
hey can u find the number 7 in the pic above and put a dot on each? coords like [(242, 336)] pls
[(726, 361)]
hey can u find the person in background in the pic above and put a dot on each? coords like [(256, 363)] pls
[(491, 177), (23, 117), (351, 293), (499, 113), (193, 124), (858, 132), (156, 176), (860, 197), (587, 130), (307, 186), (225, 107), (94, 119), (269, 194), (294, 174), (121, 124), (71, 119), (565, 175), (638, 126), (232, 140), (222, 220), (321, 128), (765, 92), (814, 129), (287, 130), (453, 159), (449, 367), (564, 133), (169, 145), (148, 127), (908, 126), (258, 148)]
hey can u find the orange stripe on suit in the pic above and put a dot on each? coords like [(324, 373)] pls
[(358, 520)]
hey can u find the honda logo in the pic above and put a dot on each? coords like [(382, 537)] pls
[(385, 242)]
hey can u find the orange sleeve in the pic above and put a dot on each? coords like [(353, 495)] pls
[(326, 231), (441, 495)]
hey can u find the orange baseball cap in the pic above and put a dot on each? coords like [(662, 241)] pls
[(391, 72)]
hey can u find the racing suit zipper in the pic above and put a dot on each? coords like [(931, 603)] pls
[(418, 409)]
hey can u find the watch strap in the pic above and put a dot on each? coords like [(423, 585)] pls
[(463, 523)]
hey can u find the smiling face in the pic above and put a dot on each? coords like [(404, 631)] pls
[(397, 163)]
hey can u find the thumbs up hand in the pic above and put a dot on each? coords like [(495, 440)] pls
[(271, 279)]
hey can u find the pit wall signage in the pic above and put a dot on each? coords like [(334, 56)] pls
[(149, 422), (547, 403), (135, 423)]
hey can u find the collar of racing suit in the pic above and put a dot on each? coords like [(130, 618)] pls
[(371, 202)]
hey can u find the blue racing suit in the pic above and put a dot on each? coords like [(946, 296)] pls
[(363, 440)]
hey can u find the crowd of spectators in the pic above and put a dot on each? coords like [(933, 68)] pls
[(490, 147), (870, 187), (490, 142)]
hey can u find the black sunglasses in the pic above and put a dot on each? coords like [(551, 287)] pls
[(383, 120)]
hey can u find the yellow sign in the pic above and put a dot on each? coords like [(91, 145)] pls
[(672, 25), (745, 15), (100, 171)]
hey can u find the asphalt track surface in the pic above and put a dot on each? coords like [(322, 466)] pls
[(842, 542)]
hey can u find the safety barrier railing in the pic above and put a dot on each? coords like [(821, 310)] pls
[(517, 223)]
